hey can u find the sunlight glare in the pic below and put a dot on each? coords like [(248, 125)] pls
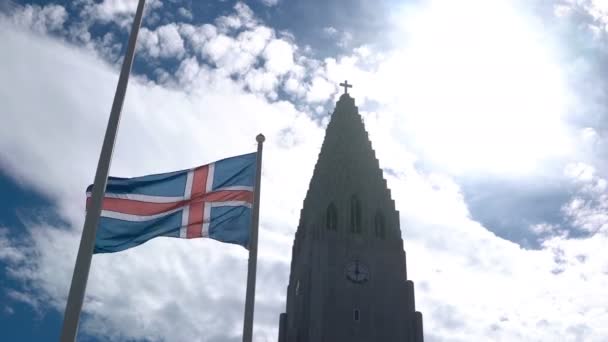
[(479, 88)]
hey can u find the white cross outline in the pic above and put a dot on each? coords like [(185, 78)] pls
[(183, 231)]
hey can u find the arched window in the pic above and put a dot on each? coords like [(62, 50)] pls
[(379, 225), (331, 218), (355, 214)]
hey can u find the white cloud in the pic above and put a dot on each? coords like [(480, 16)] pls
[(587, 210), (545, 229), (120, 12), (225, 52), (238, 54), (230, 54), (197, 36), (242, 18), (343, 38), (294, 87), (41, 19), (562, 10), (262, 82), (320, 90), (279, 56), (270, 3), (589, 135), (596, 8), (253, 41), (165, 41), (580, 171), (187, 14), (330, 31), (7, 251)]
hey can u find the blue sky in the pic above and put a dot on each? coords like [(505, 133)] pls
[(488, 118)]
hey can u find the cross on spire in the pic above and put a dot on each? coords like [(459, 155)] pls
[(346, 86)]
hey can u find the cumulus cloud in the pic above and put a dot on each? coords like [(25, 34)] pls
[(270, 3), (252, 54), (120, 12), (40, 18), (197, 36), (330, 31), (279, 56), (242, 18), (184, 12), (580, 172), (7, 250), (320, 89), (343, 38), (588, 208), (164, 41)]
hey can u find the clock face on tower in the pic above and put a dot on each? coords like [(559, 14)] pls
[(357, 272)]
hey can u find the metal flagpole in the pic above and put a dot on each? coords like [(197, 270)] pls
[(253, 246), (87, 241)]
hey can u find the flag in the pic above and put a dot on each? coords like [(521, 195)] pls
[(212, 201)]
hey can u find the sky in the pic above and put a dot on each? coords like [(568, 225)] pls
[(488, 118)]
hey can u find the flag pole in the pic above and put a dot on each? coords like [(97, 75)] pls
[(87, 241), (253, 246)]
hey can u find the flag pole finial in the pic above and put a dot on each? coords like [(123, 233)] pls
[(260, 138)]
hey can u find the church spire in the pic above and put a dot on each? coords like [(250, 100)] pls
[(348, 277), (348, 177)]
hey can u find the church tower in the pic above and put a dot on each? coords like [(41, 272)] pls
[(348, 279)]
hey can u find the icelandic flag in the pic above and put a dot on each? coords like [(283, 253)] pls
[(207, 201)]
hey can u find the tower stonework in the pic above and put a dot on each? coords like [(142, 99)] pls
[(348, 279)]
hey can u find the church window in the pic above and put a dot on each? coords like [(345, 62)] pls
[(355, 214), (331, 217), (356, 315), (379, 225), (297, 287)]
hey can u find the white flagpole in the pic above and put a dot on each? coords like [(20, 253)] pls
[(87, 241), (253, 246)]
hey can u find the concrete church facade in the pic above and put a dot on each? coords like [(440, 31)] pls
[(348, 279)]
